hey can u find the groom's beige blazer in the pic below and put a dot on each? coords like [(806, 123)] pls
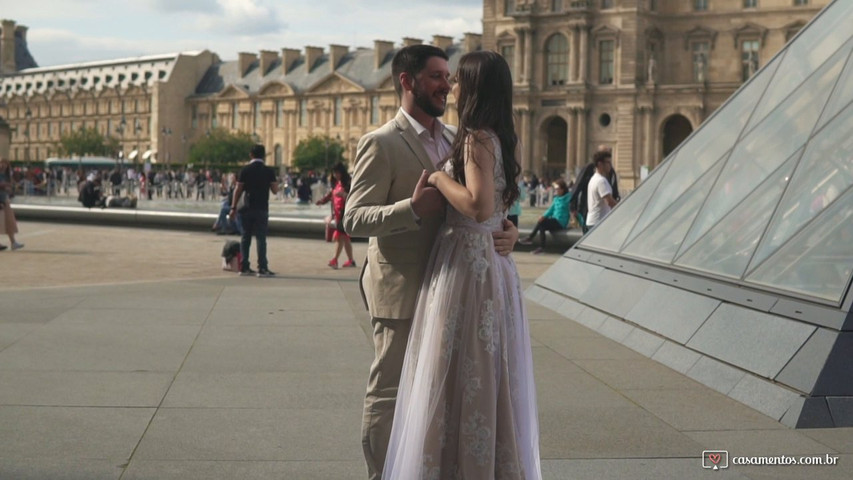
[(388, 164)]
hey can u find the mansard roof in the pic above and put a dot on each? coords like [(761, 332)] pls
[(357, 66), (121, 73)]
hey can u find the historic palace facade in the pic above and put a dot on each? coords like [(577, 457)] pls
[(635, 75)]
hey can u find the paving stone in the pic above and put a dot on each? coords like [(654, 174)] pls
[(569, 277), (631, 468), (84, 389), (253, 434), (71, 432), (95, 346), (755, 341), (803, 370), (672, 312), (643, 342), (676, 357), (714, 374), (43, 468), (700, 409), (601, 293), (615, 329), (245, 470), (764, 396)]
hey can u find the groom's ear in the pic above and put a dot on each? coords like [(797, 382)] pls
[(407, 81)]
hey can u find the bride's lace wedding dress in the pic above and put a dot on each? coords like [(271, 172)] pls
[(466, 407)]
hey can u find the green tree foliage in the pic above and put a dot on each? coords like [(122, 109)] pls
[(317, 153), (87, 141), (221, 147)]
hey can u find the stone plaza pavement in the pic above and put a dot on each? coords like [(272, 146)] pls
[(128, 354)]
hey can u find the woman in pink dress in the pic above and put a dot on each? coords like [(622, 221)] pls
[(341, 181), (466, 407)]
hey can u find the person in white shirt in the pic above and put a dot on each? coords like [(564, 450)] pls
[(599, 192)]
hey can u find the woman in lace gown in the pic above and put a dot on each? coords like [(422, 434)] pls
[(466, 407)]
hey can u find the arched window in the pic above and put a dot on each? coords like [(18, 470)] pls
[(557, 54)]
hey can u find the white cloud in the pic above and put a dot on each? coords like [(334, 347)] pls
[(241, 17), (172, 6), (72, 31)]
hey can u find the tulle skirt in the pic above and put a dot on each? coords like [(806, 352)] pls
[(466, 407)]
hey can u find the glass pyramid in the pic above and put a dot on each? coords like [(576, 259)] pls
[(761, 195)]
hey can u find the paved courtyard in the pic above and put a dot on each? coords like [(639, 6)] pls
[(128, 354)]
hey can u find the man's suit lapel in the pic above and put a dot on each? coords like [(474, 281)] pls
[(407, 131)]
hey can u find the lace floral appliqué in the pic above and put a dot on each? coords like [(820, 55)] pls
[(476, 247)]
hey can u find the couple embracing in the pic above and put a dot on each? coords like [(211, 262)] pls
[(450, 392)]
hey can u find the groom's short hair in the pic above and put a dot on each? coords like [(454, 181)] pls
[(412, 60)]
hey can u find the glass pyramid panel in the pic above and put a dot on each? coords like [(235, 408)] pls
[(728, 247), (824, 35), (817, 262), (779, 216), (825, 171), (610, 235), (768, 145), (842, 96), (707, 146), (660, 241)]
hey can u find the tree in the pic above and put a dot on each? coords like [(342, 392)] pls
[(221, 146), (317, 153), (87, 141)]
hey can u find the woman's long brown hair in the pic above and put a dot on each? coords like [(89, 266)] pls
[(485, 102)]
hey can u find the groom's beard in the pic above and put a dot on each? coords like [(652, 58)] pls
[(425, 103)]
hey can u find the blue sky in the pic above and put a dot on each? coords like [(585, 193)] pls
[(71, 31)]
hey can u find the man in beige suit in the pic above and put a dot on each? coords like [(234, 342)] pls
[(390, 202)]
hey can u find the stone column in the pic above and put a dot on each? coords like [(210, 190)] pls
[(528, 56), (584, 54), (580, 146), (648, 113), (572, 142), (575, 58), (525, 139), (518, 61)]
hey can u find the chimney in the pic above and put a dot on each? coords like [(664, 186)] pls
[(472, 42), (311, 56), (22, 32), (443, 42), (7, 47), (288, 57), (267, 59), (409, 41), (336, 54), (245, 60), (381, 49)]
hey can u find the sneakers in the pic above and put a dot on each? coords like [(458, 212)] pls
[(333, 263), (248, 272), (525, 241), (264, 272), (17, 246), (349, 264), (538, 251)]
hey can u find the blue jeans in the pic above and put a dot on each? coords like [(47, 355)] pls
[(223, 223), (255, 222)]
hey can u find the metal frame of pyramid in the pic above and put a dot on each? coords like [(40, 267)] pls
[(733, 261)]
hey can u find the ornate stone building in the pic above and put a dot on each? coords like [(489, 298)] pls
[(636, 75), (140, 101)]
